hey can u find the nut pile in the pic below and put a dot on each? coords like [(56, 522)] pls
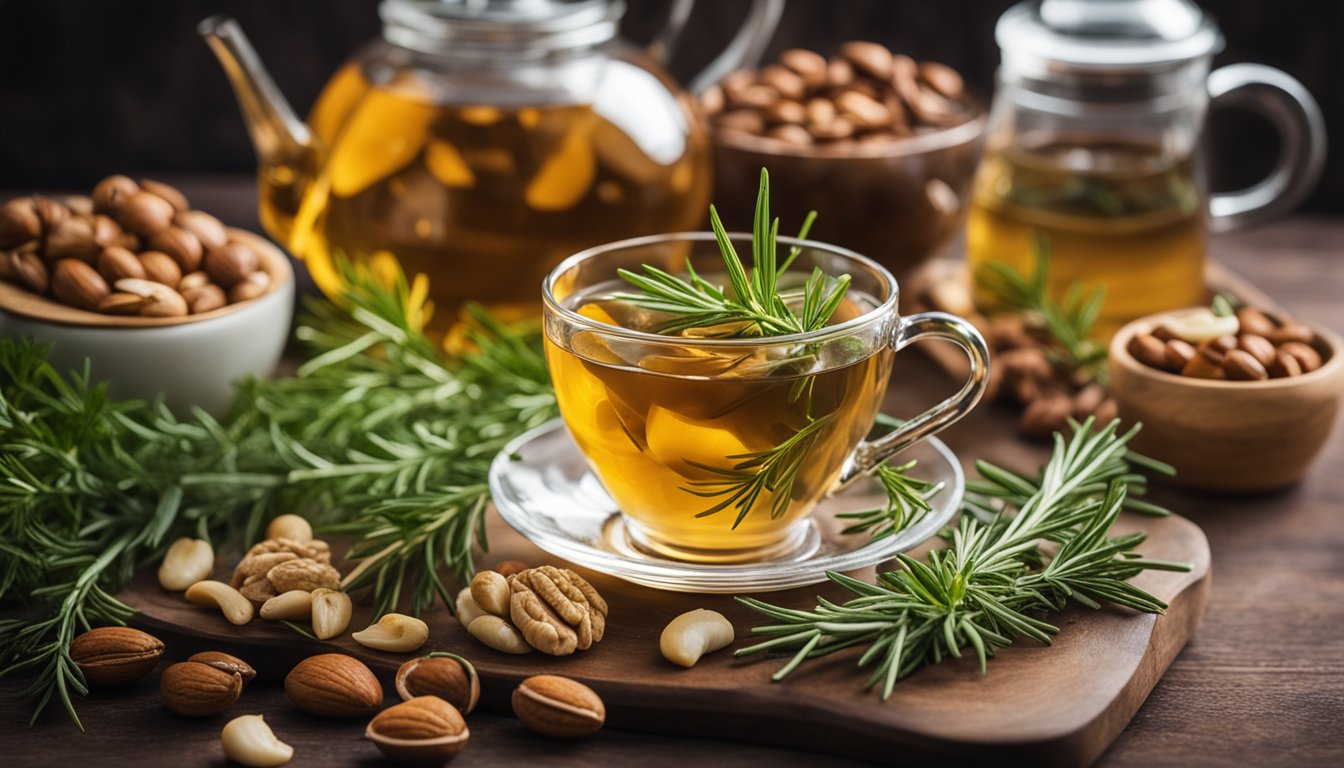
[(864, 95), (1246, 346), (1022, 371), (129, 249), (553, 610)]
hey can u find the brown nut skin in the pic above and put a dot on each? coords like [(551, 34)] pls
[(1149, 350), (809, 65), (1284, 366), (205, 298), (1205, 365), (52, 213), (942, 79), (74, 238), (1045, 417), (1179, 353), (117, 263), (113, 657), (112, 192), (168, 192), (161, 268), (30, 270), (253, 287), (872, 59), (1240, 365), (446, 675), (209, 230), (784, 81), (1307, 356), (425, 729), (19, 222), (145, 213), (1259, 347), (1292, 331), (75, 283), (1253, 321), (507, 568), (122, 303), (192, 689), (558, 707), (183, 246), (231, 264), (224, 662), (334, 685)]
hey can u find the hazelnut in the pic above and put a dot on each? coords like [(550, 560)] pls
[(111, 192), (145, 213), (230, 264)]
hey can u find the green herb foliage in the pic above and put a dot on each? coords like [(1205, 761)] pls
[(1069, 320), (755, 305), (376, 438), (1025, 546), (907, 503)]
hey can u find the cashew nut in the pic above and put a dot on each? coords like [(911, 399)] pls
[(294, 605), (250, 741), (491, 592), (290, 527), (331, 612), (1201, 324), (467, 609), (236, 608), (395, 632), (498, 634), (693, 634), (186, 562)]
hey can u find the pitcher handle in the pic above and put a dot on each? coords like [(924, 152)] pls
[(927, 325), (1297, 119), (744, 50)]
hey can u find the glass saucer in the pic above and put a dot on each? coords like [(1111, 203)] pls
[(544, 489)]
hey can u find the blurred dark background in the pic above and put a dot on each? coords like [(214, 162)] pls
[(95, 88)]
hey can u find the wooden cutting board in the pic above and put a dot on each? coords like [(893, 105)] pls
[(1041, 706)]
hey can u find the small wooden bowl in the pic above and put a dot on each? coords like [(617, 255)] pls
[(1246, 436), (190, 361)]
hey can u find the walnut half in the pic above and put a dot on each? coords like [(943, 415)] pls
[(556, 609)]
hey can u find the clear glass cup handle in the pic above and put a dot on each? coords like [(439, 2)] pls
[(926, 325), (743, 51), (1296, 117)]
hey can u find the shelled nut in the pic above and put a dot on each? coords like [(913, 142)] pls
[(491, 592), (693, 634), (292, 527), (186, 562), (498, 634), (249, 741), (394, 633), (331, 611), (216, 594), (294, 605)]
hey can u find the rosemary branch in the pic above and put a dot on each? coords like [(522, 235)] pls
[(1046, 544)]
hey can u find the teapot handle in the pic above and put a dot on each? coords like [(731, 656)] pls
[(1297, 119), (744, 50)]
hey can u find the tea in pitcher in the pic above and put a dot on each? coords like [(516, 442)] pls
[(661, 425), (484, 200), (1126, 217)]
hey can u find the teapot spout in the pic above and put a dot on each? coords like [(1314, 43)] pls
[(285, 147)]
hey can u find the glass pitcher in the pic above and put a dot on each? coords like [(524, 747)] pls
[(480, 142), (1094, 142)]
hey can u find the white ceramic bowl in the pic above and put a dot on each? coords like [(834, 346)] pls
[(191, 361)]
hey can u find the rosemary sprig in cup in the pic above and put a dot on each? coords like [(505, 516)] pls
[(1048, 546), (752, 306)]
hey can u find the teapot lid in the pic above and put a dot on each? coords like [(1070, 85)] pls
[(1105, 35), (538, 25)]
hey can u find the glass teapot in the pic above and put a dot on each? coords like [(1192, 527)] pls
[(479, 142), (1094, 142)]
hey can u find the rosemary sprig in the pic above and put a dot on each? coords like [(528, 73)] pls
[(377, 438), (1069, 320), (770, 471), (907, 503), (754, 306), (986, 588)]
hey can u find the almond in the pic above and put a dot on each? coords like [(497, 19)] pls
[(77, 284), (205, 298), (145, 213), (193, 689), (111, 192), (334, 685), (161, 268), (224, 662), (424, 729), (558, 706), (446, 675), (181, 245), (117, 263), (30, 269), (111, 657), (207, 229), (168, 192), (230, 264)]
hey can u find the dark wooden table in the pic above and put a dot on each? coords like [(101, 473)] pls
[(1261, 683)]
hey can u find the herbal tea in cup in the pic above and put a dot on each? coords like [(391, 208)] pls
[(721, 385)]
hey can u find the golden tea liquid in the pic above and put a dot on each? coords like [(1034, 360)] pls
[(481, 199), (1121, 216), (648, 418)]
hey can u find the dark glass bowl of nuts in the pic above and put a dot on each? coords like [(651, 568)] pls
[(1236, 403), (160, 299), (881, 146)]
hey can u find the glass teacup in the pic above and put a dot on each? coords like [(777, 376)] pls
[(718, 449)]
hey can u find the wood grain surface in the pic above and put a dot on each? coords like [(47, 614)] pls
[(1061, 705), (1261, 682)]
